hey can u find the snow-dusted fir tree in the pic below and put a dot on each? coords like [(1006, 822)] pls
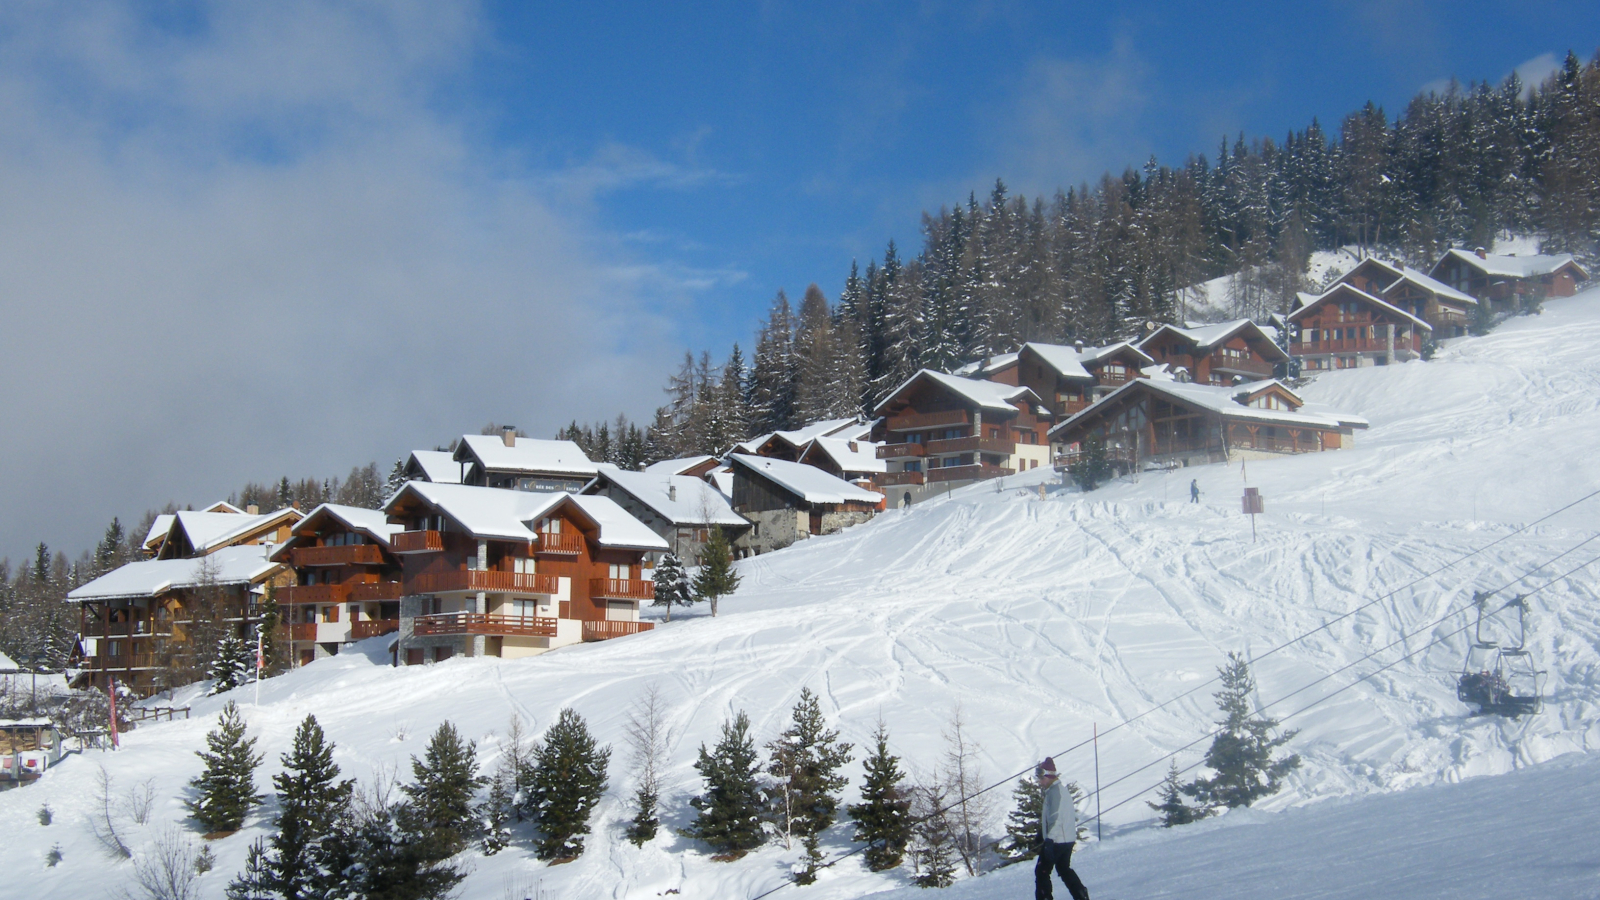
[(569, 778), (934, 853), (313, 804), (716, 577), (494, 814), (256, 882), (444, 786), (1241, 753), (883, 817), (804, 763), (234, 664), (396, 479), (1022, 838), (227, 787), (1172, 808), (672, 584), (648, 737), (729, 819)]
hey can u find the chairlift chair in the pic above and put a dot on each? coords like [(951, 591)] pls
[(1501, 680)]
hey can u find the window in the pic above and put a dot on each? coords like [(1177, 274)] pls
[(522, 565), (620, 571), (355, 611), (330, 614), (550, 525), (525, 608)]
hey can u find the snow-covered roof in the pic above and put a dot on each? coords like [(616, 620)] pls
[(438, 466), (1222, 400), (209, 530), (158, 530), (676, 466), (245, 564), (1530, 266), (222, 506), (849, 456), (1251, 388), (805, 433), (987, 366), (723, 479), (498, 513), (809, 483), (680, 499), (374, 523), (26, 723), (534, 455), (7, 664), (986, 394), (1342, 287), (1206, 337)]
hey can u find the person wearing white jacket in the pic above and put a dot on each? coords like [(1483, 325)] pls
[(1058, 826)]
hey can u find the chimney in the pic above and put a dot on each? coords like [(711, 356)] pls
[(508, 433), (1077, 346), (1482, 254), (672, 493), (253, 510), (854, 448)]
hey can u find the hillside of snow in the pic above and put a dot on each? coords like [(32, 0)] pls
[(1039, 619)]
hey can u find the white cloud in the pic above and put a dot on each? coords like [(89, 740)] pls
[(1534, 71), (251, 245)]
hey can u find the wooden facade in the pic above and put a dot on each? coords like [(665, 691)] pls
[(1447, 311), (1346, 328), (1069, 379), (1509, 283), (1216, 354), (347, 581), (939, 428)]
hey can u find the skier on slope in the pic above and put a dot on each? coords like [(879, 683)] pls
[(1194, 490), (1058, 826)]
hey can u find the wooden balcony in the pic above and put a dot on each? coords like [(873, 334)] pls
[(300, 594), (302, 632), (472, 581), (916, 421), (602, 631), (1104, 377), (1121, 455), (890, 479), (416, 542), (564, 542), (120, 662), (373, 628), (349, 555), (1065, 408), (479, 623), (973, 445), (901, 451), (968, 473), (1246, 367), (1353, 345), (622, 589), (375, 591)]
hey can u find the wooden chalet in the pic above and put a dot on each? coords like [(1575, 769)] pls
[(1166, 423), (789, 501), (855, 460), (437, 466), (495, 572), (1509, 283), (1067, 379), (523, 464), (692, 466), (1346, 327), (28, 748), (945, 429), (189, 533), (1220, 354), (1448, 311), (346, 580), (681, 509), (789, 445)]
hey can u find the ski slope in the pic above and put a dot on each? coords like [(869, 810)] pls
[(1040, 620)]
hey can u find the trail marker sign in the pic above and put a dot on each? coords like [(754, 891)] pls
[(1252, 507)]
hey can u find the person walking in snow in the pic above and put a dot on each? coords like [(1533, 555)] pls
[(1194, 490), (1058, 826)]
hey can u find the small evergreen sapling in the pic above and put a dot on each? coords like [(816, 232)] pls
[(883, 817), (569, 778), (716, 577), (648, 738), (805, 760), (441, 797), (233, 666), (227, 787), (1172, 808), (1241, 753), (672, 584), (494, 815), (1023, 828), (934, 855), (729, 819)]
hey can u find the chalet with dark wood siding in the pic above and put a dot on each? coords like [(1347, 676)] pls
[(1219, 354), (1446, 309), (945, 429), (347, 580), (523, 464), (790, 501), (1509, 283), (1067, 379), (1166, 423), (789, 445), (681, 509), (495, 572), (692, 466), (437, 466), (1346, 328)]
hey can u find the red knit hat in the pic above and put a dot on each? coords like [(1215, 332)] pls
[(1048, 767)]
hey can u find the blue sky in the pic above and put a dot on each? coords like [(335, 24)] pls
[(252, 240)]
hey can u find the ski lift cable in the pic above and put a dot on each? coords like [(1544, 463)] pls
[(1081, 744), (1436, 641)]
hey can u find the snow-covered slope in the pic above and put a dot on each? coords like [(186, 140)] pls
[(1040, 619)]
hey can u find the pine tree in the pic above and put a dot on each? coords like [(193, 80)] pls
[(382, 856), (729, 819), (883, 817), (108, 553), (1172, 808), (1092, 468), (396, 479), (234, 665), (313, 805), (569, 778), (672, 584), (227, 787), (494, 815), (716, 577), (805, 760), (1241, 753), (934, 853), (441, 796), (1021, 842), (256, 882)]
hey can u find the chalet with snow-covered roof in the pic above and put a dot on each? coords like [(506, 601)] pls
[(346, 580), (789, 444), (692, 466), (507, 573), (1220, 354), (436, 466), (1509, 283), (1346, 328), (1066, 378), (949, 430), (790, 501), (28, 748), (854, 460), (681, 509), (523, 464), (1165, 423), (1448, 311), (192, 533)]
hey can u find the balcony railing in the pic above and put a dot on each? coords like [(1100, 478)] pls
[(416, 542), (900, 451), (315, 593), (1066, 408), (622, 589), (570, 542), (1353, 345), (302, 632), (348, 555), (890, 479), (375, 591), (601, 631), (1112, 454), (968, 473), (1235, 366), (120, 661), (373, 628), (479, 623), (973, 444), (914, 421), (1105, 377), (479, 580)]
